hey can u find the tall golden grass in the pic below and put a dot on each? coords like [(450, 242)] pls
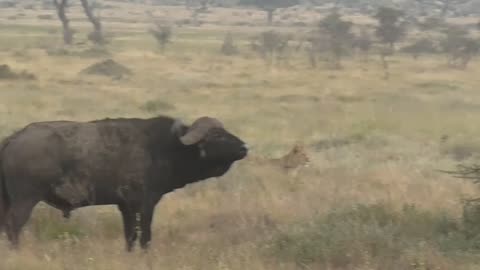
[(369, 141)]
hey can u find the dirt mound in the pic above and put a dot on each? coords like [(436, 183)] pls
[(6, 73), (108, 68)]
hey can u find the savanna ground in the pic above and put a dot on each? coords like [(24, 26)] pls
[(372, 197)]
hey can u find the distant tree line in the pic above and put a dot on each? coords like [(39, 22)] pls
[(334, 38), (331, 40)]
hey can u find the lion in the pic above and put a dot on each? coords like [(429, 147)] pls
[(295, 159)]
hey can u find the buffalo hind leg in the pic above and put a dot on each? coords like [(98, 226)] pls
[(129, 224), (3, 215), (16, 218)]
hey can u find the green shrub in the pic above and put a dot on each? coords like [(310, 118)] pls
[(109, 226), (45, 17), (48, 226), (350, 237), (154, 106), (471, 223)]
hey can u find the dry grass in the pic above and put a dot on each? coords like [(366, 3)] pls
[(369, 141)]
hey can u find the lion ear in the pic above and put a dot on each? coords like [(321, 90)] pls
[(295, 148)]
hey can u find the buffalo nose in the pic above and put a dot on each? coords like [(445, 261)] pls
[(244, 149)]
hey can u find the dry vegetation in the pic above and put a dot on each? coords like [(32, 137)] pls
[(371, 197)]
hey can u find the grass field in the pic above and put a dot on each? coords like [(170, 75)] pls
[(372, 197)]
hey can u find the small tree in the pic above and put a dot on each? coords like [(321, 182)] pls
[(270, 45), (385, 52), (198, 5), (391, 28), (270, 6), (204, 5), (339, 35), (163, 34), (421, 6), (431, 23), (389, 31), (363, 42), (61, 6), (459, 47), (228, 46), (447, 5), (97, 35), (314, 44)]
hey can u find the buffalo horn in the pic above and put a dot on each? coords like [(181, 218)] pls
[(199, 129)]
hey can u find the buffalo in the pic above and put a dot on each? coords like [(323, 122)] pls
[(127, 162)]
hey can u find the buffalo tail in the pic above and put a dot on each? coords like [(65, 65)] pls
[(4, 201)]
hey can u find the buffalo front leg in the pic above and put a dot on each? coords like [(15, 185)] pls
[(146, 224), (129, 224), (18, 214)]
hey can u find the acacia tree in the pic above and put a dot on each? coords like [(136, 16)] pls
[(270, 6), (420, 47), (390, 30), (314, 44), (432, 23), (271, 46), (339, 36), (363, 42), (447, 5), (228, 46), (96, 36), (163, 34), (199, 5), (391, 27), (421, 6), (61, 6), (459, 47)]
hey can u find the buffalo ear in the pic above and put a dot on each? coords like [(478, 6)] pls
[(178, 128)]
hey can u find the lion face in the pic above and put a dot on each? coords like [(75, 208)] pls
[(297, 157)]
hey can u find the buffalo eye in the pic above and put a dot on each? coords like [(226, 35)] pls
[(217, 136)]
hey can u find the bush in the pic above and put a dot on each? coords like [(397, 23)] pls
[(460, 151), (432, 23), (353, 236), (459, 47), (422, 46), (97, 37), (271, 45), (163, 34), (45, 17), (7, 4), (50, 226), (155, 106), (228, 46), (6, 73)]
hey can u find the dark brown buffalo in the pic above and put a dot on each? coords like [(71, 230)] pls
[(130, 163)]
